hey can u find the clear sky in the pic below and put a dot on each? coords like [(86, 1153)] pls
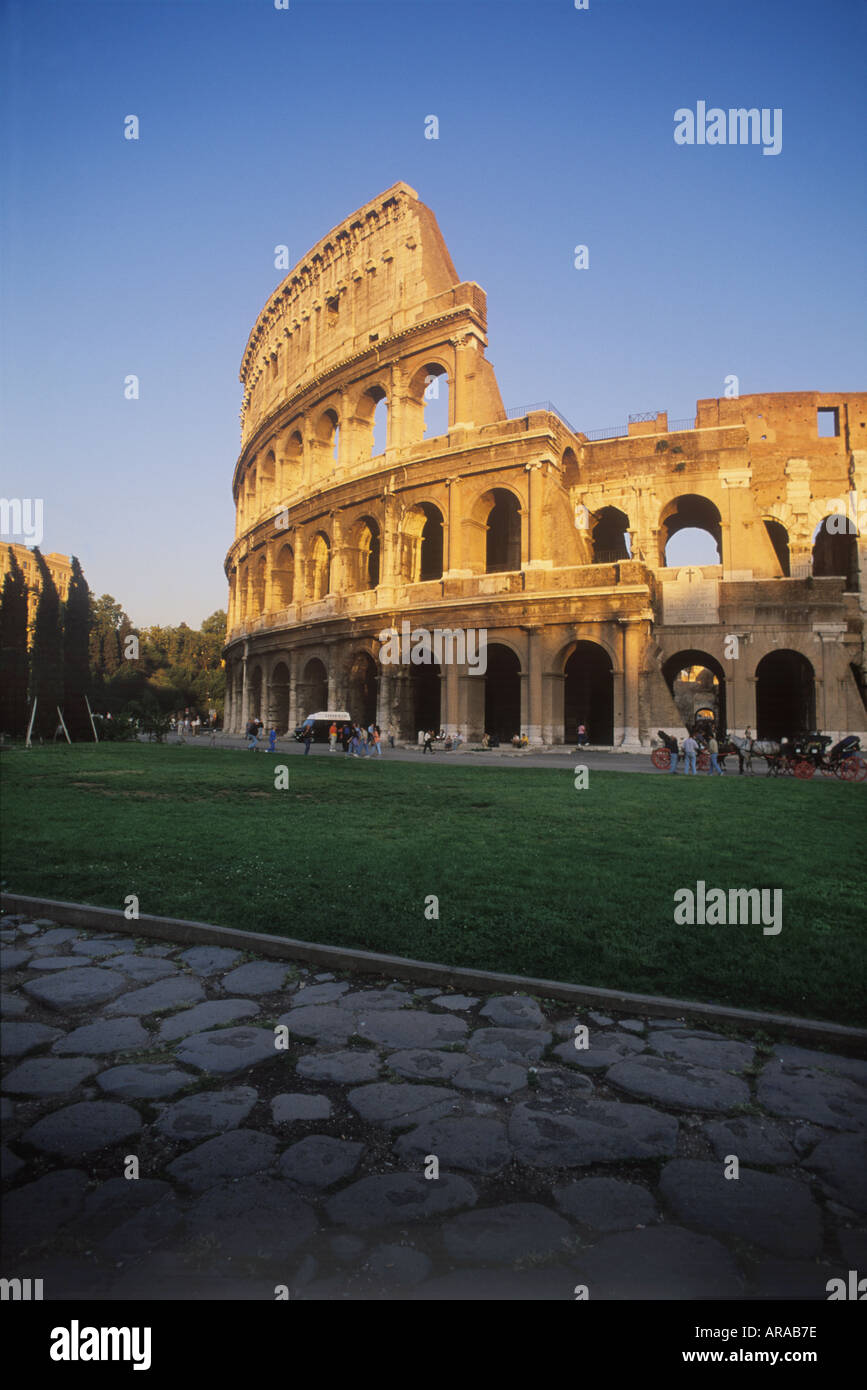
[(262, 126)]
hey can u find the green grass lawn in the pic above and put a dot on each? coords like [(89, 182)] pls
[(533, 876)]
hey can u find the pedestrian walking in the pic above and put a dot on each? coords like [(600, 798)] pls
[(690, 749), (308, 738), (272, 741), (390, 736), (332, 738), (252, 733), (377, 741), (713, 749), (428, 742)]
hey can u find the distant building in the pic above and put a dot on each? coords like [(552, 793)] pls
[(59, 567)]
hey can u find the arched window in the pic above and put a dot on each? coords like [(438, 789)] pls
[(319, 572), (610, 536), (367, 554), (422, 544), (691, 532), (284, 576), (503, 548), (779, 538)]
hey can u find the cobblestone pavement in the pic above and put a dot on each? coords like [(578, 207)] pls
[(306, 1166)]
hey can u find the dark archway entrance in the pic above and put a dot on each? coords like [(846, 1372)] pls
[(426, 707), (280, 697), (697, 683), (361, 691), (502, 692), (254, 693), (785, 695), (312, 689), (503, 546), (589, 694)]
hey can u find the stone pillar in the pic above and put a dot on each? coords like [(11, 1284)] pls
[(633, 641), (299, 587), (532, 542), (454, 536), (389, 564), (450, 715), (293, 691), (245, 700), (532, 722), (383, 702), (337, 583), (227, 702)]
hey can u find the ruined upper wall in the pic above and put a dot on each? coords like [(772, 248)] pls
[(370, 277)]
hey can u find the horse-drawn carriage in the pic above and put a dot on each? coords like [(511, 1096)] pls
[(800, 756)]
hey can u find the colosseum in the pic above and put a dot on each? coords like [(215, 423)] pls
[(382, 482)]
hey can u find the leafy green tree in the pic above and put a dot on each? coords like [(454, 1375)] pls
[(46, 655), (13, 650), (76, 655)]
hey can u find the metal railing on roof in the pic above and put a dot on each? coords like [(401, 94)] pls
[(611, 431), (516, 411)]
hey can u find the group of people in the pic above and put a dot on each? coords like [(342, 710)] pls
[(702, 739), (356, 741), (253, 734), (448, 741)]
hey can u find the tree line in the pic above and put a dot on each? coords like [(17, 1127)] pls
[(87, 649)]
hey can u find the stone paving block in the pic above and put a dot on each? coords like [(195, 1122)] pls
[(513, 1011), (398, 1266), (597, 1132), (108, 1036), (57, 935), (775, 1213), (350, 1066), (141, 1233), (56, 962), (143, 1081), (10, 1163), (426, 992), (504, 1234), (34, 1213), (319, 1161), (458, 1002), (49, 1076), (508, 1044), (99, 947), (256, 977), (157, 998), (144, 969), (318, 994), (755, 1141), (77, 989), (156, 950), (114, 1202), (820, 1097), (719, 1055), (214, 1013), (238, 1154), (17, 1039), (395, 1106), (260, 1218), (602, 1051), (426, 1064), (607, 1204), (631, 1025), (83, 1128), (568, 1086), (488, 1077), (397, 1198), (852, 1067), (323, 1023), (412, 1028), (206, 1113), (227, 1050), (12, 1006), (601, 1020), (661, 1262), (7, 1109), (679, 1084), (841, 1163), (286, 1109), (364, 1001), (209, 960), (472, 1145)]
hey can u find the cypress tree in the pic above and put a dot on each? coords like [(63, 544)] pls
[(76, 654), (46, 656), (13, 650)]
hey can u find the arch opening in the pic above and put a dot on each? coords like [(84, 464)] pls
[(503, 540), (785, 695), (426, 697), (611, 540), (362, 689), (779, 538), (319, 568), (589, 694), (313, 688), (835, 550), (279, 717), (502, 692), (691, 532), (697, 683), (283, 576)]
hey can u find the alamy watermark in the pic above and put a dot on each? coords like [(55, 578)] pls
[(737, 126), (22, 516), (445, 646), (714, 907)]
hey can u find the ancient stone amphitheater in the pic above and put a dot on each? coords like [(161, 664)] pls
[(381, 481)]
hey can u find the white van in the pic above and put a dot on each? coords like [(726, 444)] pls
[(321, 722)]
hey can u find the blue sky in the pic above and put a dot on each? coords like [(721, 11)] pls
[(261, 127)]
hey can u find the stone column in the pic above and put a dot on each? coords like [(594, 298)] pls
[(389, 566), (632, 648), (337, 583), (383, 703), (454, 537), (450, 697), (293, 691), (227, 702), (299, 587), (533, 538), (245, 699), (533, 724)]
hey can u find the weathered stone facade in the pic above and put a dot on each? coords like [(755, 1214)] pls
[(551, 541)]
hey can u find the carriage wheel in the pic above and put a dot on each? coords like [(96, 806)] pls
[(703, 762), (804, 770), (848, 770), (661, 758), (861, 767)]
